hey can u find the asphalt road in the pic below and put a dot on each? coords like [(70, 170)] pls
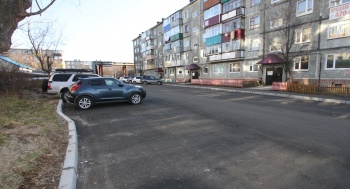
[(195, 138)]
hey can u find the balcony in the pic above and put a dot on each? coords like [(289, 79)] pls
[(178, 49), (167, 64), (149, 57), (210, 3), (212, 21), (149, 67), (213, 40), (226, 56), (233, 35), (176, 37), (233, 13), (232, 55), (176, 23), (150, 47)]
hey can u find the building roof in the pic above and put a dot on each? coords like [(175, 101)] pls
[(7, 59)]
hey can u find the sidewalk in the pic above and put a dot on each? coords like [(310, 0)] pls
[(267, 90)]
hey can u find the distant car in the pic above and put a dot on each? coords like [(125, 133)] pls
[(89, 91), (130, 79), (149, 79), (136, 79), (124, 79), (58, 83)]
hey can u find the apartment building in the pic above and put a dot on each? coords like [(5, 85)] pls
[(26, 57), (255, 41)]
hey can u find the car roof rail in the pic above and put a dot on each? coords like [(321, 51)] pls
[(61, 70)]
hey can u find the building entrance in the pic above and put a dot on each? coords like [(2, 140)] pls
[(273, 75)]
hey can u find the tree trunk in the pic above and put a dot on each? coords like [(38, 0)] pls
[(10, 11)]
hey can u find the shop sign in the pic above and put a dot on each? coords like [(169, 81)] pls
[(340, 11)]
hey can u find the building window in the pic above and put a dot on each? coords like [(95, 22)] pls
[(187, 42), (231, 46), (186, 14), (211, 12), (212, 31), (255, 22), (205, 70), (194, 14), (218, 68), (254, 2), (253, 67), (254, 44), (301, 63), (333, 3), (186, 29), (231, 5), (276, 23), (303, 36), (275, 47), (213, 49), (338, 61), (235, 67), (304, 7), (195, 59), (338, 30), (194, 30)]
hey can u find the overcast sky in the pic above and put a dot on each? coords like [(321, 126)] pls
[(103, 29)]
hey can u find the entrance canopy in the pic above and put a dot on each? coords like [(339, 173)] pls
[(271, 59), (158, 70), (193, 67)]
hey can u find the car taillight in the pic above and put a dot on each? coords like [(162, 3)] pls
[(49, 85), (75, 87)]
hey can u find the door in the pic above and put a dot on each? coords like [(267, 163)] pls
[(273, 75)]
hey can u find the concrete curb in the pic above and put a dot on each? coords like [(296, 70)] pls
[(311, 98), (70, 167)]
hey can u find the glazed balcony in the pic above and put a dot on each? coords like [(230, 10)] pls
[(233, 35), (149, 66), (212, 21), (149, 57), (234, 13), (213, 40), (226, 56), (210, 3), (176, 22), (176, 37)]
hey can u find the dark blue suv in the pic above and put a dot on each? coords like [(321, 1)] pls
[(88, 91)]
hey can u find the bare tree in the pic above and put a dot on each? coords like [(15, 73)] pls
[(44, 41), (285, 37), (11, 13)]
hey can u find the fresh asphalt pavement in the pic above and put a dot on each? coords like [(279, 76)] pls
[(185, 137)]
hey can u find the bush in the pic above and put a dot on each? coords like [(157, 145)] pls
[(15, 82)]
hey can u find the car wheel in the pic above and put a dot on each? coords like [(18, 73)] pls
[(135, 98), (158, 83), (145, 82), (63, 93), (134, 82), (84, 102)]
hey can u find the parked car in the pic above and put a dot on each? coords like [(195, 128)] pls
[(89, 91), (58, 83), (124, 79), (130, 79), (149, 79), (136, 79)]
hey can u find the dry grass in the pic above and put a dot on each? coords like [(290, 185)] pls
[(33, 141)]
